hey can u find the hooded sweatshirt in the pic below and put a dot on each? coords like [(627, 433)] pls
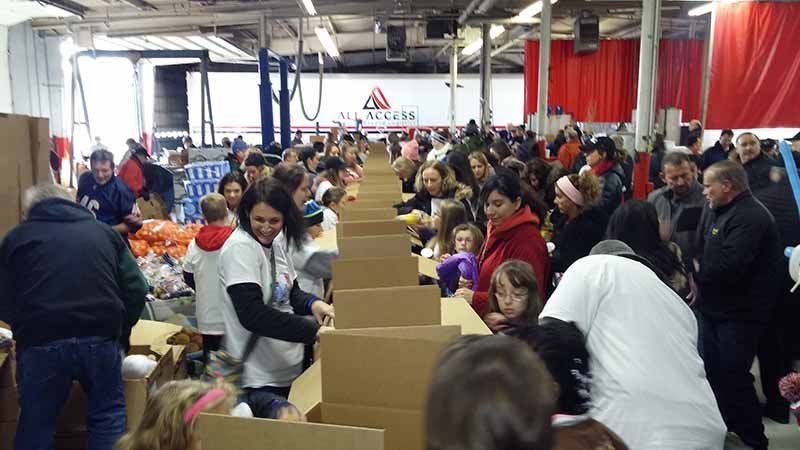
[(517, 237), (201, 263), (63, 274)]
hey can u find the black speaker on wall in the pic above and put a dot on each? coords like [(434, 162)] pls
[(587, 33), (396, 43), (439, 28)]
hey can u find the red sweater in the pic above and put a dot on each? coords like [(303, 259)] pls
[(131, 173), (516, 238)]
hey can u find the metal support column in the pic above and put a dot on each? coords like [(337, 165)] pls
[(486, 78), (453, 84), (77, 83), (203, 81), (544, 70), (286, 126), (708, 53), (207, 95), (138, 98), (265, 97), (648, 63)]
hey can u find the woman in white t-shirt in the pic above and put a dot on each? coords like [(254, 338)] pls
[(262, 297)]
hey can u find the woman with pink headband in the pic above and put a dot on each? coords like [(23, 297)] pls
[(581, 225)]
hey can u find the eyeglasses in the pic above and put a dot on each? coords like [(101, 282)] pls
[(513, 297)]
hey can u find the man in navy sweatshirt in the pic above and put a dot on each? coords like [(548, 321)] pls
[(71, 291)]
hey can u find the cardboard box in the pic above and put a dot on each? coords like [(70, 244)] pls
[(8, 369), (315, 138), (148, 333), (398, 306), (369, 228), (7, 432), (404, 429), (377, 150), (374, 246), (374, 272), (139, 390), (391, 195), (369, 204), (368, 214), (218, 432), (9, 406), (306, 391), (456, 311), (427, 267), (327, 240)]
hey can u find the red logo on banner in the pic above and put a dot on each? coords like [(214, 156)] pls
[(377, 100)]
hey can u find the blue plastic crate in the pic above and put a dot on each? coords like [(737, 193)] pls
[(207, 171), (198, 189), (191, 207)]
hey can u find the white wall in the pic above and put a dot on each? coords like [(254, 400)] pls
[(235, 99), (5, 77)]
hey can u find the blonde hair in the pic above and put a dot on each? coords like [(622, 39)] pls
[(451, 214), (481, 158), (403, 165), (589, 186), (162, 426), (449, 182), (214, 207), (477, 236)]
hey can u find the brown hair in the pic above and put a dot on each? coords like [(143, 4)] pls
[(402, 164), (489, 393), (333, 195), (477, 236), (214, 207), (449, 182), (162, 426), (520, 275), (588, 185), (451, 214)]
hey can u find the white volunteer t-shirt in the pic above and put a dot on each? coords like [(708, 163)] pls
[(305, 280), (649, 384), (244, 260), (321, 190), (208, 295), (329, 219)]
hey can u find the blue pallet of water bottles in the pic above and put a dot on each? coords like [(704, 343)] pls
[(197, 189), (207, 171)]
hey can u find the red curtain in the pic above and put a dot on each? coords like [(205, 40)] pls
[(755, 72), (680, 76), (599, 86)]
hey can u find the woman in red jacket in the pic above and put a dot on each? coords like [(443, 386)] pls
[(512, 233)]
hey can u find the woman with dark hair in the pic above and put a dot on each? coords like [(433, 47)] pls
[(656, 157), (636, 224), (538, 175), (460, 163), (295, 179), (232, 187), (512, 233), (333, 174), (602, 157), (500, 150), (489, 393), (308, 157), (262, 301)]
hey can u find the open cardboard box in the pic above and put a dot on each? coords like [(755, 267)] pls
[(456, 311), (369, 204), (391, 195), (398, 306), (374, 246), (367, 273), (369, 228), (375, 378), (377, 151), (368, 214), (218, 432)]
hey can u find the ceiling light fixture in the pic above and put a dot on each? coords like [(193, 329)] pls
[(327, 41), (532, 10), (702, 9), (309, 7), (494, 32)]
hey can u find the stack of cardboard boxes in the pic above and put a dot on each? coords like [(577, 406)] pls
[(372, 373), (9, 409), (26, 161)]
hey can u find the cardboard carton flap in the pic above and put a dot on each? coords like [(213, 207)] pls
[(404, 428), (235, 433), (148, 332), (368, 273), (374, 246), (306, 392), (399, 306), (382, 367), (456, 311)]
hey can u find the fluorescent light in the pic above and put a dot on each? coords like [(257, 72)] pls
[(702, 9), (532, 10), (230, 47), (327, 42), (477, 44), (309, 8)]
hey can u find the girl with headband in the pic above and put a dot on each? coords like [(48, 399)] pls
[(581, 225)]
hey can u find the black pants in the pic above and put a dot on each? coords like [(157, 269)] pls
[(265, 401), (774, 350), (728, 349), (211, 343)]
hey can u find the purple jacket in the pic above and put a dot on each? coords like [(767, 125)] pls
[(462, 264)]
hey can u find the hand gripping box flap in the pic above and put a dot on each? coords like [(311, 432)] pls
[(382, 367), (218, 432)]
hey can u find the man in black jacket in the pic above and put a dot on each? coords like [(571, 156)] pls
[(71, 291), (737, 282), (720, 151)]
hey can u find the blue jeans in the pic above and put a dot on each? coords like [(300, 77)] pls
[(44, 377)]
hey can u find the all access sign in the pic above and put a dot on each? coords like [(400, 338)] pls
[(378, 112)]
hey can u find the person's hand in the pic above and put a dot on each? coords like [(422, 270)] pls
[(692, 297), (321, 310), (495, 321), (464, 283), (444, 257), (466, 294)]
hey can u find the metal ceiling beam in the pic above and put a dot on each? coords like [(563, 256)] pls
[(69, 6)]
